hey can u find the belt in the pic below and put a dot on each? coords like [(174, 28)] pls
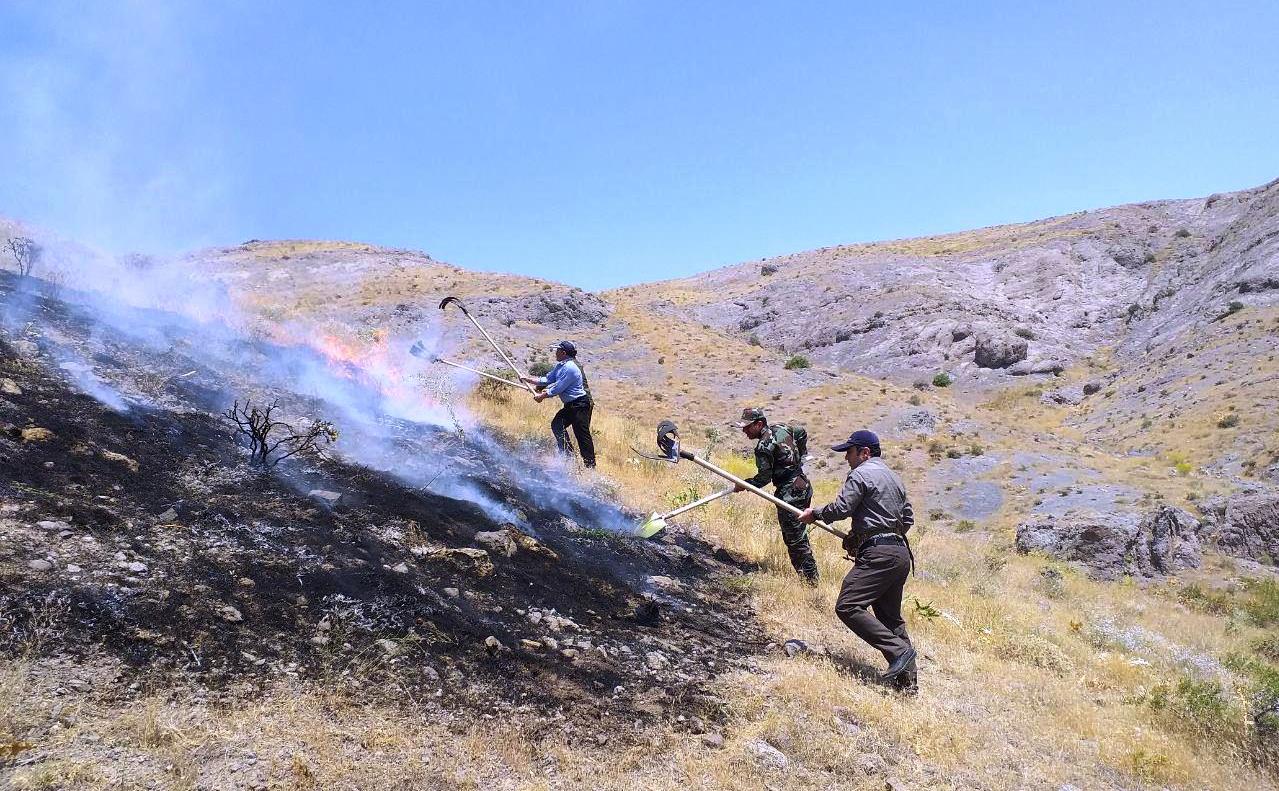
[(880, 538)]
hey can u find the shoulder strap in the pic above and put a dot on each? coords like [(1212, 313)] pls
[(585, 385)]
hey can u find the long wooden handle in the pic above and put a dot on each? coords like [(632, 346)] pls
[(501, 353), (698, 503), (481, 373), (725, 474)]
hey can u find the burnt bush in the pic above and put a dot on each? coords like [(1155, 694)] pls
[(270, 441)]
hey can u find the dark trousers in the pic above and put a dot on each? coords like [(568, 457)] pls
[(875, 585), (577, 414), (799, 494)]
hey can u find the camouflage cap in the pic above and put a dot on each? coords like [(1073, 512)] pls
[(749, 415)]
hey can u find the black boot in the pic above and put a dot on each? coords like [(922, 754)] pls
[(900, 665)]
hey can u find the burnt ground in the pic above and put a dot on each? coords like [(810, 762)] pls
[(141, 535)]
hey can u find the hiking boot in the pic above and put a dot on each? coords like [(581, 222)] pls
[(899, 665)]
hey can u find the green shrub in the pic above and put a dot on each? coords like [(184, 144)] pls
[(496, 392), (755, 340), (1182, 233), (965, 525), (540, 368), (976, 450), (914, 400), (1228, 420), (942, 380), (1023, 332), (1197, 706), (797, 361), (1262, 601)]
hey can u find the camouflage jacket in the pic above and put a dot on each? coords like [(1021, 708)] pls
[(776, 457)]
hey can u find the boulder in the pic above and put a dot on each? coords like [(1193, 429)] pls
[(1066, 396), (498, 542), (1110, 545), (999, 349), (36, 434), (1245, 525), (476, 561), (571, 310), (325, 496), (919, 422)]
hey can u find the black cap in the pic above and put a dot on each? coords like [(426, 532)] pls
[(568, 347), (858, 439), (749, 415)]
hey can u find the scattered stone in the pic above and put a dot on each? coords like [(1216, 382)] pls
[(794, 648), (474, 560), (656, 660), (36, 434), (168, 516), (400, 568), (26, 348), (229, 613), (713, 740), (1092, 387), (39, 565), (492, 644), (531, 645), (53, 524), (767, 755), (499, 542), (452, 593), (325, 496), (10, 387), (73, 569), (136, 567), (246, 582), (665, 583), (389, 647), (119, 458)]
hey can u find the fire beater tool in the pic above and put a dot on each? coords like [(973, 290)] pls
[(668, 441), (419, 350), (444, 303), (657, 522)]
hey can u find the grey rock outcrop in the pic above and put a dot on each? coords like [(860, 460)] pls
[(999, 350), (1245, 525), (1110, 545), (566, 311)]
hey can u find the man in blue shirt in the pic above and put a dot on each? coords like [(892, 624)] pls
[(568, 381)]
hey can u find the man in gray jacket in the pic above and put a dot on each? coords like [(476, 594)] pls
[(874, 498)]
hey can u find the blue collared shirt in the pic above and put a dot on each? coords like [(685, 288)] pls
[(565, 381)]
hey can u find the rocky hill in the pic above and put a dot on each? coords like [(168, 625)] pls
[(1107, 416)]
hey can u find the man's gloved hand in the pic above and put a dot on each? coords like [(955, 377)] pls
[(808, 517), (539, 397)]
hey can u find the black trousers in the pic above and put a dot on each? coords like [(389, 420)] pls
[(875, 585), (798, 493), (577, 415)]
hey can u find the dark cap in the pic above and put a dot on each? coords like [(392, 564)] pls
[(749, 415), (568, 347), (859, 439)]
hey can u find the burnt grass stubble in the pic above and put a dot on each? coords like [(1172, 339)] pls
[(256, 542)]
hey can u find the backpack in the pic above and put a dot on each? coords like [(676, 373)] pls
[(796, 439)]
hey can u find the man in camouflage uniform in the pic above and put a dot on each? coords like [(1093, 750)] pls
[(777, 458)]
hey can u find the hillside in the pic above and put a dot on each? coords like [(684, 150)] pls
[(1096, 597)]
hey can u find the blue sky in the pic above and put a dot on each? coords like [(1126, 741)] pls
[(607, 143)]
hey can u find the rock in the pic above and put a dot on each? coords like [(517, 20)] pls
[(1110, 545), (229, 613), (389, 647), (136, 567), (713, 740), (571, 310), (665, 583), (999, 350), (527, 543), (26, 348), (39, 565), (1092, 387), (325, 496), (1066, 396), (919, 422), (499, 542), (1245, 525), (475, 561), (452, 593), (36, 434), (119, 458), (656, 660), (53, 524), (245, 582), (492, 644), (169, 515), (794, 648), (10, 387), (73, 569), (531, 645), (400, 568), (767, 755)]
